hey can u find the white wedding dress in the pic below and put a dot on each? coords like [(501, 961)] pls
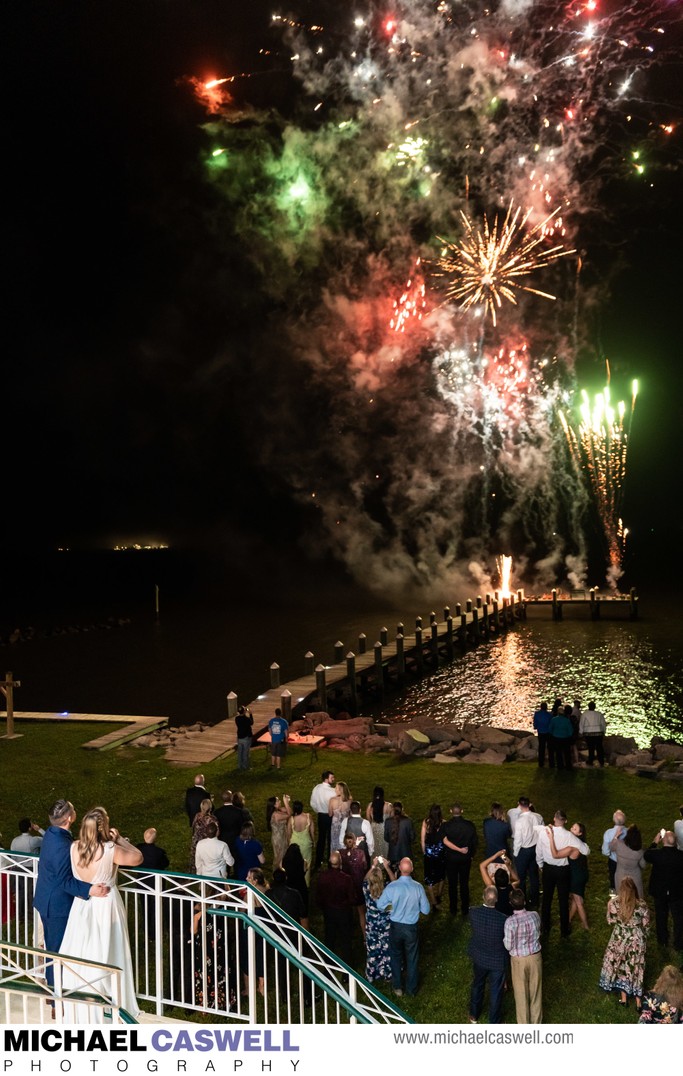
[(97, 930)]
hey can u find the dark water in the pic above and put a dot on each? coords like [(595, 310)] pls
[(220, 629)]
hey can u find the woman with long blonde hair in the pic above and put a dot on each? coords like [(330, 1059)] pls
[(338, 809), (623, 966), (97, 930), (377, 961)]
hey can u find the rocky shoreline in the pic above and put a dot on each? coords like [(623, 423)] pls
[(468, 744)]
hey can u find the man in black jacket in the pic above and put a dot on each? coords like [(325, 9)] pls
[(489, 957), (460, 842), (194, 797), (666, 886)]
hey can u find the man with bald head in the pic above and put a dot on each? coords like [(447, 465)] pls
[(666, 886), (406, 898), (155, 859), (335, 895), (489, 957), (194, 797)]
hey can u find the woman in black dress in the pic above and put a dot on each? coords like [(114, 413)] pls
[(399, 835), (434, 854), (578, 872)]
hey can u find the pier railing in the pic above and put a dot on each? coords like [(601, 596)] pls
[(211, 946)]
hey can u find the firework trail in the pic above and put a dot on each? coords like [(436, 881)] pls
[(424, 437)]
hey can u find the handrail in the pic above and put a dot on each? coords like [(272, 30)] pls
[(182, 971)]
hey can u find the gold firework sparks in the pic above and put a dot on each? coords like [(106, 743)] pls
[(488, 265)]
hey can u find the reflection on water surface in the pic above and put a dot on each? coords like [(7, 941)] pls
[(634, 671)]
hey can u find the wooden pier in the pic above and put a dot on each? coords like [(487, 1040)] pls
[(592, 605), (389, 662)]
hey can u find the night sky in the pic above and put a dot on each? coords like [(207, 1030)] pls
[(137, 379)]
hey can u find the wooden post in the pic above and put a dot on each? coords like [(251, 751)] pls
[(275, 675), (232, 704), (7, 687), (286, 705), (446, 613), (595, 603), (488, 597), (475, 626), (480, 601), (485, 626), (362, 642), (309, 663), (468, 605), (432, 617), (633, 599), (504, 623), (458, 611), (379, 670), (351, 673), (557, 605), (463, 631), (384, 636), (400, 630), (435, 642), (321, 686), (418, 622), (419, 654), (338, 652), (400, 658), (496, 616), (449, 637), (156, 602)]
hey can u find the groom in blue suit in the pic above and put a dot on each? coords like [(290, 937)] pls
[(56, 887)]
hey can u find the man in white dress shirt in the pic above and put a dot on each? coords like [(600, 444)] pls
[(556, 871), (524, 848), (30, 837), (212, 856), (320, 798)]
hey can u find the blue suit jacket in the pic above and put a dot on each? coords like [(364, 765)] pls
[(486, 947), (56, 886)]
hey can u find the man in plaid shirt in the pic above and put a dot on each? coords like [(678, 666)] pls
[(523, 942), (489, 957)]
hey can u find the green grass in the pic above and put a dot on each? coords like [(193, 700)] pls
[(140, 789)]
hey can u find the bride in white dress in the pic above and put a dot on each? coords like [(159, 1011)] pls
[(97, 929)]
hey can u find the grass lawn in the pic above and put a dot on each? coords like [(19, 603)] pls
[(139, 789)]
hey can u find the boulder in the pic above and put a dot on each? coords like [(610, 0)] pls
[(445, 758), (671, 752), (626, 762), (434, 749), (463, 748), (376, 743), (488, 757), (487, 736), (410, 740), (441, 734), (620, 745), (356, 726), (316, 718), (527, 750)]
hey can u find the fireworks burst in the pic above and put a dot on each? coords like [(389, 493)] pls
[(489, 264), (599, 446), (411, 304)]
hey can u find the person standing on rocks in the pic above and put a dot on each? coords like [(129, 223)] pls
[(592, 727)]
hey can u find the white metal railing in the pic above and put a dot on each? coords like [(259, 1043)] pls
[(26, 997), (212, 946)]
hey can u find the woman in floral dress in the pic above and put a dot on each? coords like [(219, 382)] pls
[(664, 1003), (623, 965), (377, 960), (200, 824)]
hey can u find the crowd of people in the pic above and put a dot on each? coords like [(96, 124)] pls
[(355, 867), (366, 894)]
